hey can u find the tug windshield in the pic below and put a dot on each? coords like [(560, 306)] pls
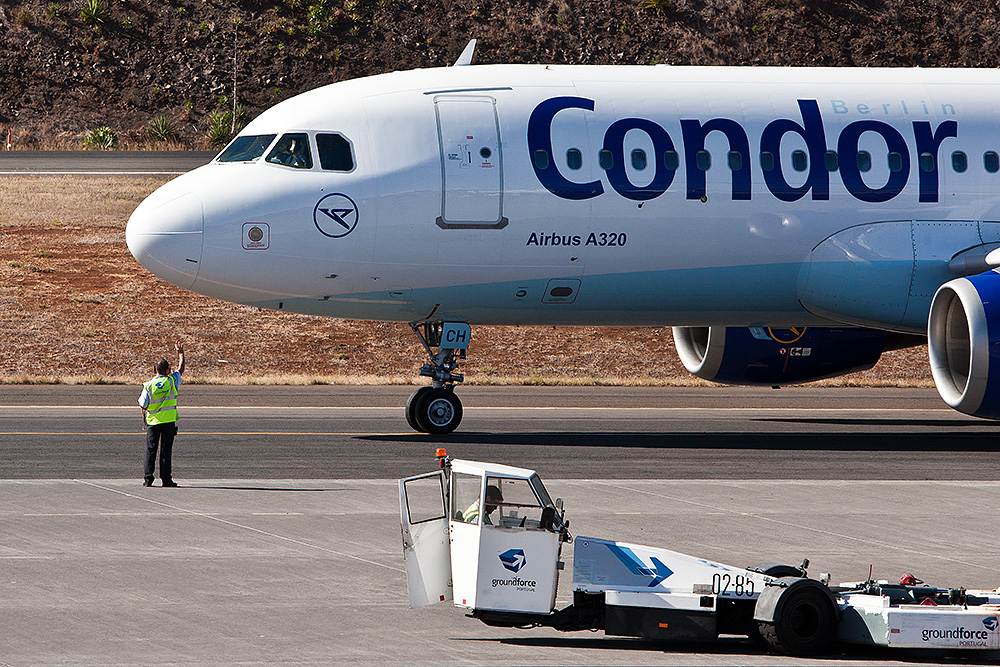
[(520, 505)]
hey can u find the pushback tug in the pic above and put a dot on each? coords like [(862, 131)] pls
[(504, 567)]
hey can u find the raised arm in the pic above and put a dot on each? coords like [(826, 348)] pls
[(180, 358)]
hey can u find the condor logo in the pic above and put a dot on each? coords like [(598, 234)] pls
[(818, 161), (336, 215)]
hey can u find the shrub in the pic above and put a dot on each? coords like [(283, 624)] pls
[(162, 128), (221, 126), (53, 11), (23, 17), (662, 6), (102, 139), (318, 16), (95, 13)]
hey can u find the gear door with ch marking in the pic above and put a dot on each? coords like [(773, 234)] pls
[(471, 166)]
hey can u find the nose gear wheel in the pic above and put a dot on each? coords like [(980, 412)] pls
[(436, 409), (411, 408)]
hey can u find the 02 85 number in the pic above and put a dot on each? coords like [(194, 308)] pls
[(728, 585)]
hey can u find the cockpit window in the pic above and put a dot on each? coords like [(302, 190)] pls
[(292, 150), (247, 148), (334, 152)]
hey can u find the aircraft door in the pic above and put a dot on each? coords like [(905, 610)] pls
[(471, 165), (426, 549)]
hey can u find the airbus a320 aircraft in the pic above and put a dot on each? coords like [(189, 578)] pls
[(790, 223)]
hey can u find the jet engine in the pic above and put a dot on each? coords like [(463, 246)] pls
[(963, 339), (767, 356)]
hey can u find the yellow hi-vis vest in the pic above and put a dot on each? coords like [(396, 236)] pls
[(162, 408), (471, 515)]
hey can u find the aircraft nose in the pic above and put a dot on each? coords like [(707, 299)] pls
[(164, 234)]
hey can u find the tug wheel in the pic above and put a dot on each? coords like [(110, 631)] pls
[(778, 570), (805, 624), (438, 411)]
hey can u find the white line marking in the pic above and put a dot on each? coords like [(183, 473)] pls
[(112, 514), (239, 525)]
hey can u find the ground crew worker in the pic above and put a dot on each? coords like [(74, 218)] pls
[(158, 402), (493, 499)]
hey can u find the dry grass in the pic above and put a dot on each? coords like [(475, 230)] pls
[(51, 201), (75, 308)]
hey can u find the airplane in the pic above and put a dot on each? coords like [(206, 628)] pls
[(790, 223)]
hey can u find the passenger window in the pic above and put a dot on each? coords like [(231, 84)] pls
[(991, 161), (246, 149), (831, 161), (606, 159), (799, 161), (334, 152), (767, 161), (704, 160), (541, 159), (670, 160), (959, 162), (926, 162), (735, 160), (574, 158), (895, 161), (292, 150), (864, 161), (639, 159)]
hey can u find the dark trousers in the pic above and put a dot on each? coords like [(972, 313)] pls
[(161, 435)]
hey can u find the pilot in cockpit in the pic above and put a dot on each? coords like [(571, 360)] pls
[(290, 152)]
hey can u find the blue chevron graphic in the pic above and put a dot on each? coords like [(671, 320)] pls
[(658, 572)]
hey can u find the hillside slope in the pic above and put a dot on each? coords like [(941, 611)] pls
[(67, 68)]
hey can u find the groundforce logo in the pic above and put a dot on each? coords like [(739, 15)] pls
[(518, 584), (964, 636), (514, 560)]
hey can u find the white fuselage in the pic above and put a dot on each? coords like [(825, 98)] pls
[(532, 194)]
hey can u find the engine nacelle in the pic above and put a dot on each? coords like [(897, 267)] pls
[(758, 356), (963, 340)]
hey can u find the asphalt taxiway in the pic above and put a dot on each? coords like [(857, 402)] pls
[(101, 163), (643, 432), (282, 544)]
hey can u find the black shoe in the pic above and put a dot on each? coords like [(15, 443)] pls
[(147, 482), (169, 482)]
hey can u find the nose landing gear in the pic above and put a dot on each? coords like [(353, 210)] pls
[(436, 409)]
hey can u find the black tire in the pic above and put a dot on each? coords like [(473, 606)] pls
[(805, 626), (777, 570), (438, 411), (411, 408)]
